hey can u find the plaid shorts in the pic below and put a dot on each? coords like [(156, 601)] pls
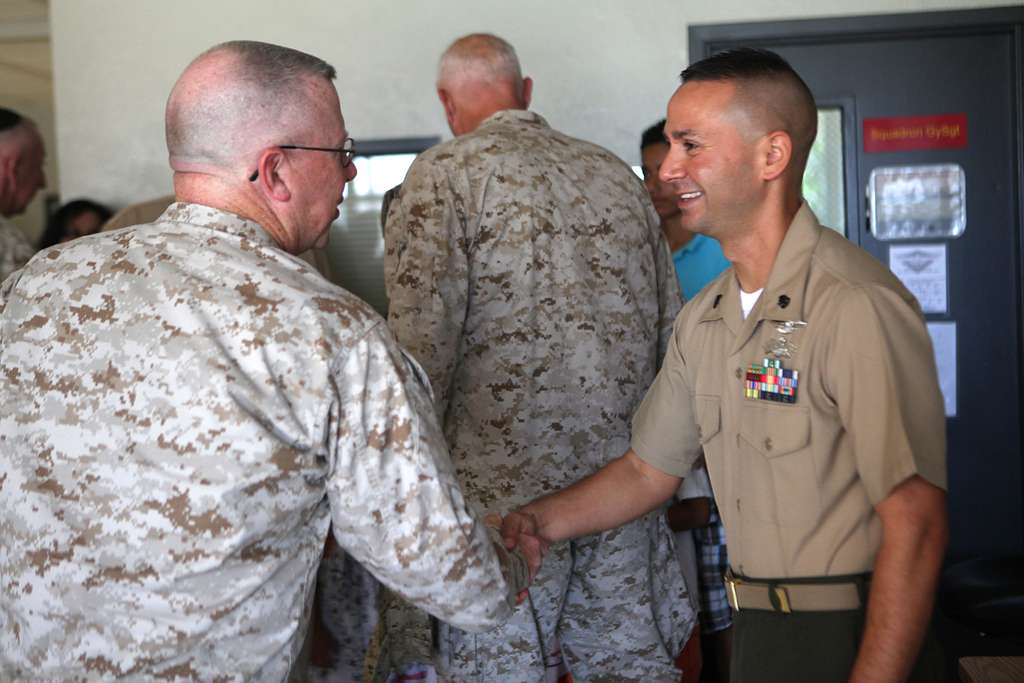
[(712, 562)]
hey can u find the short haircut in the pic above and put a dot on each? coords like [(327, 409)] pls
[(653, 135), (480, 56), (278, 64), (266, 94), (769, 87), (9, 119), (742, 63)]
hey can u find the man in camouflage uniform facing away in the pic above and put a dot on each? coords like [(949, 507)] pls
[(526, 272), (187, 406)]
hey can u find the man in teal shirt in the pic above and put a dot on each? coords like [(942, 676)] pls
[(698, 259)]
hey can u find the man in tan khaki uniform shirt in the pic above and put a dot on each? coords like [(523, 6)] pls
[(797, 506), (819, 413)]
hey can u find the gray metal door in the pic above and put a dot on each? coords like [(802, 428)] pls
[(964, 65)]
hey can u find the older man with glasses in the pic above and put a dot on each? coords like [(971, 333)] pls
[(187, 407)]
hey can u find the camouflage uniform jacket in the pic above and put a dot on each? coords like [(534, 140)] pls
[(15, 250), (527, 273), (185, 409)]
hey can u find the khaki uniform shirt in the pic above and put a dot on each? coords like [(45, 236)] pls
[(15, 250), (185, 409), (796, 483)]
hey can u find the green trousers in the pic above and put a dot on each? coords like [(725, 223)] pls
[(810, 647)]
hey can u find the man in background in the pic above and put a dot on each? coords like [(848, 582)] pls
[(527, 273), (698, 258), (21, 176), (187, 407)]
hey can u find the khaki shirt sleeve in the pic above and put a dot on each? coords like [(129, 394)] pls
[(664, 427), (881, 373), (427, 274), (395, 502)]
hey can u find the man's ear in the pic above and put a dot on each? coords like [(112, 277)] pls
[(8, 179), (778, 153), (270, 178), (448, 102), (527, 91)]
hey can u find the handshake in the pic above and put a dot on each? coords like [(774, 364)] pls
[(520, 547), (406, 650)]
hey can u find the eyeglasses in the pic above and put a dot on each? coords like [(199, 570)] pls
[(347, 151)]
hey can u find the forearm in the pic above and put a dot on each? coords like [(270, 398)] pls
[(902, 596), (899, 609), (394, 497), (622, 490)]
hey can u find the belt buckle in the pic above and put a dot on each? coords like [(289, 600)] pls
[(779, 598), (731, 581)]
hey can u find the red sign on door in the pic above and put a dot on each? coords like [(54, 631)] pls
[(905, 133)]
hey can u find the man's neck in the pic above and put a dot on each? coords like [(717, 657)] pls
[(486, 112), (754, 249), (213, 192), (676, 235)]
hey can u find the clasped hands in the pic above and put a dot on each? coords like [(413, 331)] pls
[(520, 534)]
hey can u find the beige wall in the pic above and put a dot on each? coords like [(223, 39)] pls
[(603, 70)]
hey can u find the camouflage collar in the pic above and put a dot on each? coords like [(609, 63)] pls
[(514, 116), (216, 219)]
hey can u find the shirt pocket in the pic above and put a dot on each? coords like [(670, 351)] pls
[(778, 476)]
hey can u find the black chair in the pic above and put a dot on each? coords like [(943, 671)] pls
[(986, 595)]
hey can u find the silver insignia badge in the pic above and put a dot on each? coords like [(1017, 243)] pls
[(782, 346)]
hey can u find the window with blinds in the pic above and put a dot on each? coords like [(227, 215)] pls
[(355, 254)]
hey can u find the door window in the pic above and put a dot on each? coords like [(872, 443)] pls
[(925, 201), (355, 253)]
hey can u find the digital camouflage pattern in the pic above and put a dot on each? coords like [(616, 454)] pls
[(15, 250), (526, 271), (185, 410)]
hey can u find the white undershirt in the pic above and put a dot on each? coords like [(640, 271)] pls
[(747, 301)]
